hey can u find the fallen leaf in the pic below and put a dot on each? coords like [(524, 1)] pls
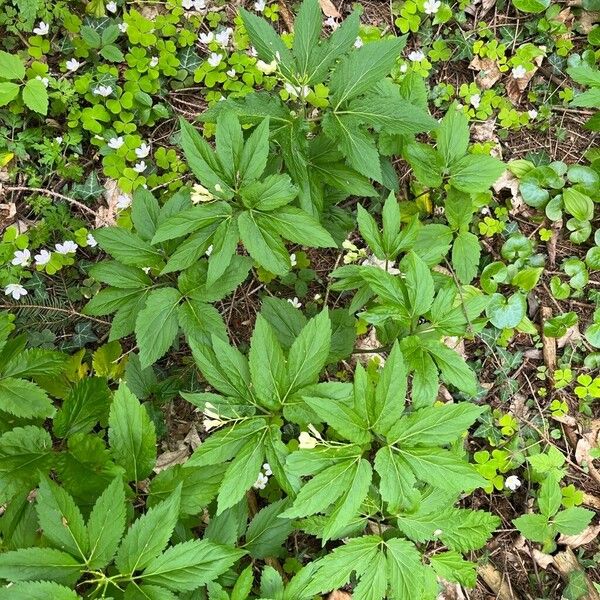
[(450, 591), (480, 6), (339, 595), (329, 10), (488, 72), (168, 459), (515, 87), (573, 335), (508, 181), (581, 539), (108, 215)]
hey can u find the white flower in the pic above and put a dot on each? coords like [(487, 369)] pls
[(146, 269), (58, 139), (142, 151), (67, 247), (218, 188), (201, 194), (140, 167), (267, 469), (293, 260), (307, 441), (72, 64), (416, 56), (358, 43), (123, 27), (41, 29), (294, 91), (519, 72), (111, 7), (21, 258), (266, 68), (437, 532), (214, 60), (116, 142), (331, 22), (222, 38), (373, 261), (231, 73), (154, 62), (209, 424), (45, 81), (318, 296), (91, 240), (260, 5), (16, 290), (403, 68), (295, 302), (197, 5), (209, 250), (43, 258), (102, 90), (532, 113), (512, 483), (207, 38), (261, 481), (123, 201), (431, 7), (252, 52), (475, 100)]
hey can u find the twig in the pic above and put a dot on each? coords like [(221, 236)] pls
[(55, 309)]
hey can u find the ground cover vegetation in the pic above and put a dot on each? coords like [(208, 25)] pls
[(300, 300)]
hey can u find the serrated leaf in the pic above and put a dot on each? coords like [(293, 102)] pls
[(39, 563), (11, 66), (131, 435), (24, 399), (35, 96), (38, 590), (466, 252)]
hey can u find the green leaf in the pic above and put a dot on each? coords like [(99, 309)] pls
[(24, 399), (39, 563), (531, 6), (269, 46), (475, 173), (229, 143), (106, 524), (8, 91), (267, 365), (369, 230), (127, 247), (267, 532), (299, 227), (309, 352), (11, 66), (61, 520), (253, 159), (145, 213), (419, 284), (117, 275), (534, 527), (156, 326), (426, 162), (451, 566), (202, 218), (199, 321), (307, 29), (131, 435), (404, 569), (264, 247), (241, 473), (202, 161), (35, 96), (577, 204), (435, 425), (270, 193), (506, 313), (38, 590), (453, 367), (550, 497), (572, 521), (190, 564), (361, 69), (439, 467), (397, 481), (466, 252), (148, 536), (453, 136)]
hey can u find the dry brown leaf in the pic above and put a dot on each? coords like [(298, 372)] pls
[(515, 87), (543, 560), (585, 537), (108, 215), (507, 181), (339, 595), (588, 20), (488, 72), (451, 591), (169, 459), (573, 335), (329, 9), (7, 214), (481, 7)]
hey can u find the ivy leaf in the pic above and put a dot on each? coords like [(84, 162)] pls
[(131, 435), (90, 190), (35, 96)]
